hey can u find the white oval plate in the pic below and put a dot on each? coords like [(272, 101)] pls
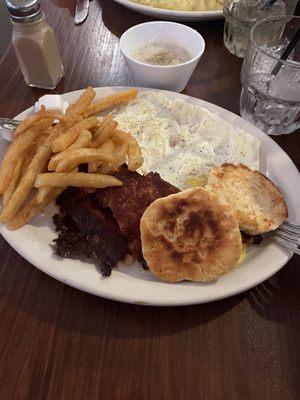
[(131, 284), (172, 15)]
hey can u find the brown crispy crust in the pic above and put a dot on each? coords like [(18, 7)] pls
[(128, 202), (258, 204), (190, 235)]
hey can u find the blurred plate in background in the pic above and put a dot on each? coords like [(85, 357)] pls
[(172, 15)]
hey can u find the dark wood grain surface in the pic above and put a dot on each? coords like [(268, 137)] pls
[(59, 343)]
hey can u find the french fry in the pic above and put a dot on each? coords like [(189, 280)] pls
[(56, 115), (82, 156), (104, 134), (39, 141), (17, 148), (44, 191), (81, 105), (26, 159), (29, 121), (107, 148), (110, 101), (31, 209), (63, 141), (36, 166), (49, 135), (83, 140), (107, 134), (135, 158), (93, 167), (107, 121), (77, 179), (41, 114), (109, 168), (20, 169), (13, 183), (69, 121), (120, 156)]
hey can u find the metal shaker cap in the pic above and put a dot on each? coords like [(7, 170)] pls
[(24, 10)]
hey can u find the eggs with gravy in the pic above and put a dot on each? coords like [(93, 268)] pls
[(182, 141)]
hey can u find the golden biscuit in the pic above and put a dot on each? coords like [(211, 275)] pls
[(256, 201), (190, 235)]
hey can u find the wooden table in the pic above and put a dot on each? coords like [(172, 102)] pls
[(59, 343)]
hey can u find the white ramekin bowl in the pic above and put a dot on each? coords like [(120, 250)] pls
[(168, 77)]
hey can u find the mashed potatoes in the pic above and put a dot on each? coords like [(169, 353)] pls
[(184, 5), (182, 141)]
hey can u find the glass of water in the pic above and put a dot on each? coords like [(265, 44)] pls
[(242, 15), (270, 97)]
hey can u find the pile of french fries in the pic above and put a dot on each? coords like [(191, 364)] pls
[(44, 157)]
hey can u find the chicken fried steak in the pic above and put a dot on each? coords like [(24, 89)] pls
[(84, 229), (128, 203), (104, 225)]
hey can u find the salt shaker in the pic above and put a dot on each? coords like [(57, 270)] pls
[(35, 44)]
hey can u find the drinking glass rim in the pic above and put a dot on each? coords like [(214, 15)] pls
[(258, 47)]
